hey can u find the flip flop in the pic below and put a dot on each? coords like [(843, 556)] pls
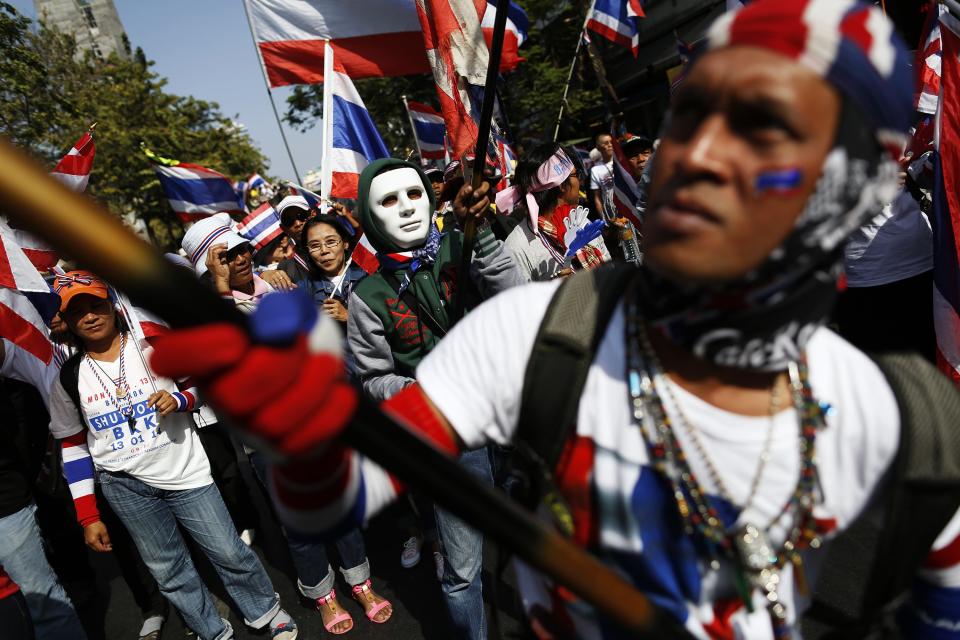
[(359, 590), (329, 601)]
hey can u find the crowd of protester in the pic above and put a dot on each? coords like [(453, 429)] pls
[(771, 173)]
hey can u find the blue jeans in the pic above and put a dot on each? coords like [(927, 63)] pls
[(463, 559), (151, 516), (21, 555), (315, 577)]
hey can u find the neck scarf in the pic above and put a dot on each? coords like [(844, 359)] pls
[(411, 261), (763, 320)]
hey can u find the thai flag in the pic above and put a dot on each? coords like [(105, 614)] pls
[(627, 195), (365, 256), (256, 181), (429, 131), (515, 34), (928, 63), (74, 168), (195, 192), (373, 38), (946, 206), (458, 53), (261, 227), (355, 139), (616, 20), (27, 304), (313, 200)]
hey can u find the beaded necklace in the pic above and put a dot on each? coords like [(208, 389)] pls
[(122, 387), (757, 564)]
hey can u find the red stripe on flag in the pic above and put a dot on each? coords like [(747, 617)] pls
[(945, 557), (75, 165), (43, 260), (6, 272), (610, 34), (375, 56), (23, 334), (344, 185)]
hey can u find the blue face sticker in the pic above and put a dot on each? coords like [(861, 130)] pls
[(780, 181)]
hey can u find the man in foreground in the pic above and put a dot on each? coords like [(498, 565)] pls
[(724, 439)]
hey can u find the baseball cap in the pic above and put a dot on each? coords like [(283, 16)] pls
[(74, 283), (205, 233)]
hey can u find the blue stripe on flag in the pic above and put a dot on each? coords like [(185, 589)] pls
[(77, 470), (429, 132), (353, 129), (208, 191), (946, 269)]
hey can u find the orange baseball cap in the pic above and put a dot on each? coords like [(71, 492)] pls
[(74, 283)]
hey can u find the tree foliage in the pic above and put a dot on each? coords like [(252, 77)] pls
[(531, 94), (51, 93)]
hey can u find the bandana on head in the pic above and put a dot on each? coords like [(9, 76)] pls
[(763, 320), (551, 173)]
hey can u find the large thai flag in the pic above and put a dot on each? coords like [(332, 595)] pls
[(616, 20), (928, 62), (195, 192), (353, 139), (946, 205), (459, 57), (429, 130), (27, 304), (261, 227), (372, 38), (627, 194)]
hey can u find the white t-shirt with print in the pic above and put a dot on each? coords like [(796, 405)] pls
[(162, 452), (633, 517), (601, 176)]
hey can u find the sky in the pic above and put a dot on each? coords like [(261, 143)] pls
[(204, 49)]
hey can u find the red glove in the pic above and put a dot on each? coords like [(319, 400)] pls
[(285, 381)]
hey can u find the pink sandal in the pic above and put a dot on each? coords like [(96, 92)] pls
[(358, 594), (330, 601)]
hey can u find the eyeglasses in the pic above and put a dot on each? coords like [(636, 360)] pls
[(332, 243)]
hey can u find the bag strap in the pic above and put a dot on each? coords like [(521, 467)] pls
[(572, 328), (888, 542)]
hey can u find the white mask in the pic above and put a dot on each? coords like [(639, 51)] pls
[(400, 204)]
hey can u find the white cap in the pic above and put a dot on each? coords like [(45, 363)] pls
[(292, 201), (207, 232)]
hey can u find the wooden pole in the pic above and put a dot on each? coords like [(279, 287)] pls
[(79, 228)]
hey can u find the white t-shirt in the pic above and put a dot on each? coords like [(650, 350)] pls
[(632, 515), (895, 245), (162, 452), (601, 176)]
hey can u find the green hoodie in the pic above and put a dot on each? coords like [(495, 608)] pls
[(433, 287)]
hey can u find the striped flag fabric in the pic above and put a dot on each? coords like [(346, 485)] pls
[(616, 20), (429, 131), (195, 192), (627, 195), (353, 140), (365, 256), (73, 170), (458, 57), (928, 63), (371, 39), (946, 205), (27, 304), (313, 199), (261, 227)]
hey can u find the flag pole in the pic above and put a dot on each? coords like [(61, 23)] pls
[(573, 66), (78, 227), (266, 84), (326, 171), (483, 141), (413, 129)]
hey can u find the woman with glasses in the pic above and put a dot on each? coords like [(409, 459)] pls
[(326, 245)]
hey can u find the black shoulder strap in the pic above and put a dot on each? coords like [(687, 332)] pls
[(572, 328), (872, 564), (70, 380)]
